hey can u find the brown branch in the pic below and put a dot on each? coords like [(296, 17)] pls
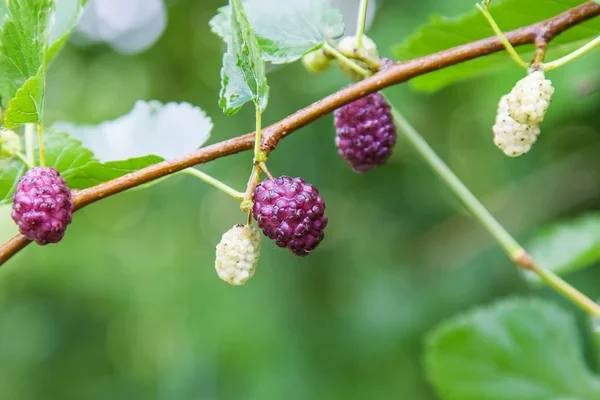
[(397, 73)]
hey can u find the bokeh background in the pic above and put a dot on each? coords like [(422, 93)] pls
[(128, 305)]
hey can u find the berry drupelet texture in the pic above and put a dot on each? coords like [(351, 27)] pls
[(529, 100), (237, 254), (42, 205), (365, 132), (512, 137), (291, 212)]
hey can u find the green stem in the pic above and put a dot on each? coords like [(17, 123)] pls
[(570, 57), (214, 182), (568, 291), (509, 47), (30, 143), (459, 188), (259, 155), (23, 158), (41, 144), (361, 21), (250, 187), (346, 61), (510, 245)]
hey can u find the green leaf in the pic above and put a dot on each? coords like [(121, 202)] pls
[(11, 171), (515, 350), (442, 33), (566, 246), (95, 172), (23, 39), (243, 74), (66, 15), (62, 152), (27, 105), (166, 130), (285, 30)]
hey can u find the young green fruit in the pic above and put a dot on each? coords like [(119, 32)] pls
[(316, 62), (348, 46)]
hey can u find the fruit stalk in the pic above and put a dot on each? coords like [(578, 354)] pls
[(513, 249)]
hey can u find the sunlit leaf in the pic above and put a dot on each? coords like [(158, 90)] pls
[(23, 38), (285, 29), (243, 74), (165, 130)]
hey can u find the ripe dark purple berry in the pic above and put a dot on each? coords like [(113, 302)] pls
[(291, 212), (42, 205), (365, 132)]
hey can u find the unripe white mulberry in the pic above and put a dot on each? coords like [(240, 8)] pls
[(529, 100), (348, 46), (512, 137), (316, 61), (237, 254)]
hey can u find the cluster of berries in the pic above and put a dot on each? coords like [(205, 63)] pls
[(291, 211), (521, 112)]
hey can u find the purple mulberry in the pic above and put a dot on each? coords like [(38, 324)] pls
[(291, 212), (42, 205), (365, 132)]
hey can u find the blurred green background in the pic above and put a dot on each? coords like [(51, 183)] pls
[(128, 305)]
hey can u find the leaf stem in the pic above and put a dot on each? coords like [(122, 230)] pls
[(361, 22), (30, 143), (23, 158), (41, 144), (252, 183), (346, 61), (477, 209), (214, 182), (568, 291), (570, 57), (259, 155), (509, 47), (514, 250)]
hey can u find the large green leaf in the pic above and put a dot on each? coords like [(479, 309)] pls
[(285, 29), (566, 246), (23, 40), (11, 171), (515, 350), (441, 33), (243, 74)]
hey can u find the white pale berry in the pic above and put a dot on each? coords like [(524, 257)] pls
[(237, 254), (529, 100), (512, 137)]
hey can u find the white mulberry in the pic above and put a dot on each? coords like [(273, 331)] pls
[(237, 254), (529, 100), (512, 137)]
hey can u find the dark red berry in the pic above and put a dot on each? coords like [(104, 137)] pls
[(42, 205), (291, 212), (365, 132)]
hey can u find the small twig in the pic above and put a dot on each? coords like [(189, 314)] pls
[(392, 75)]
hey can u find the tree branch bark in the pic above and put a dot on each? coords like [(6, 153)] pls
[(541, 32)]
